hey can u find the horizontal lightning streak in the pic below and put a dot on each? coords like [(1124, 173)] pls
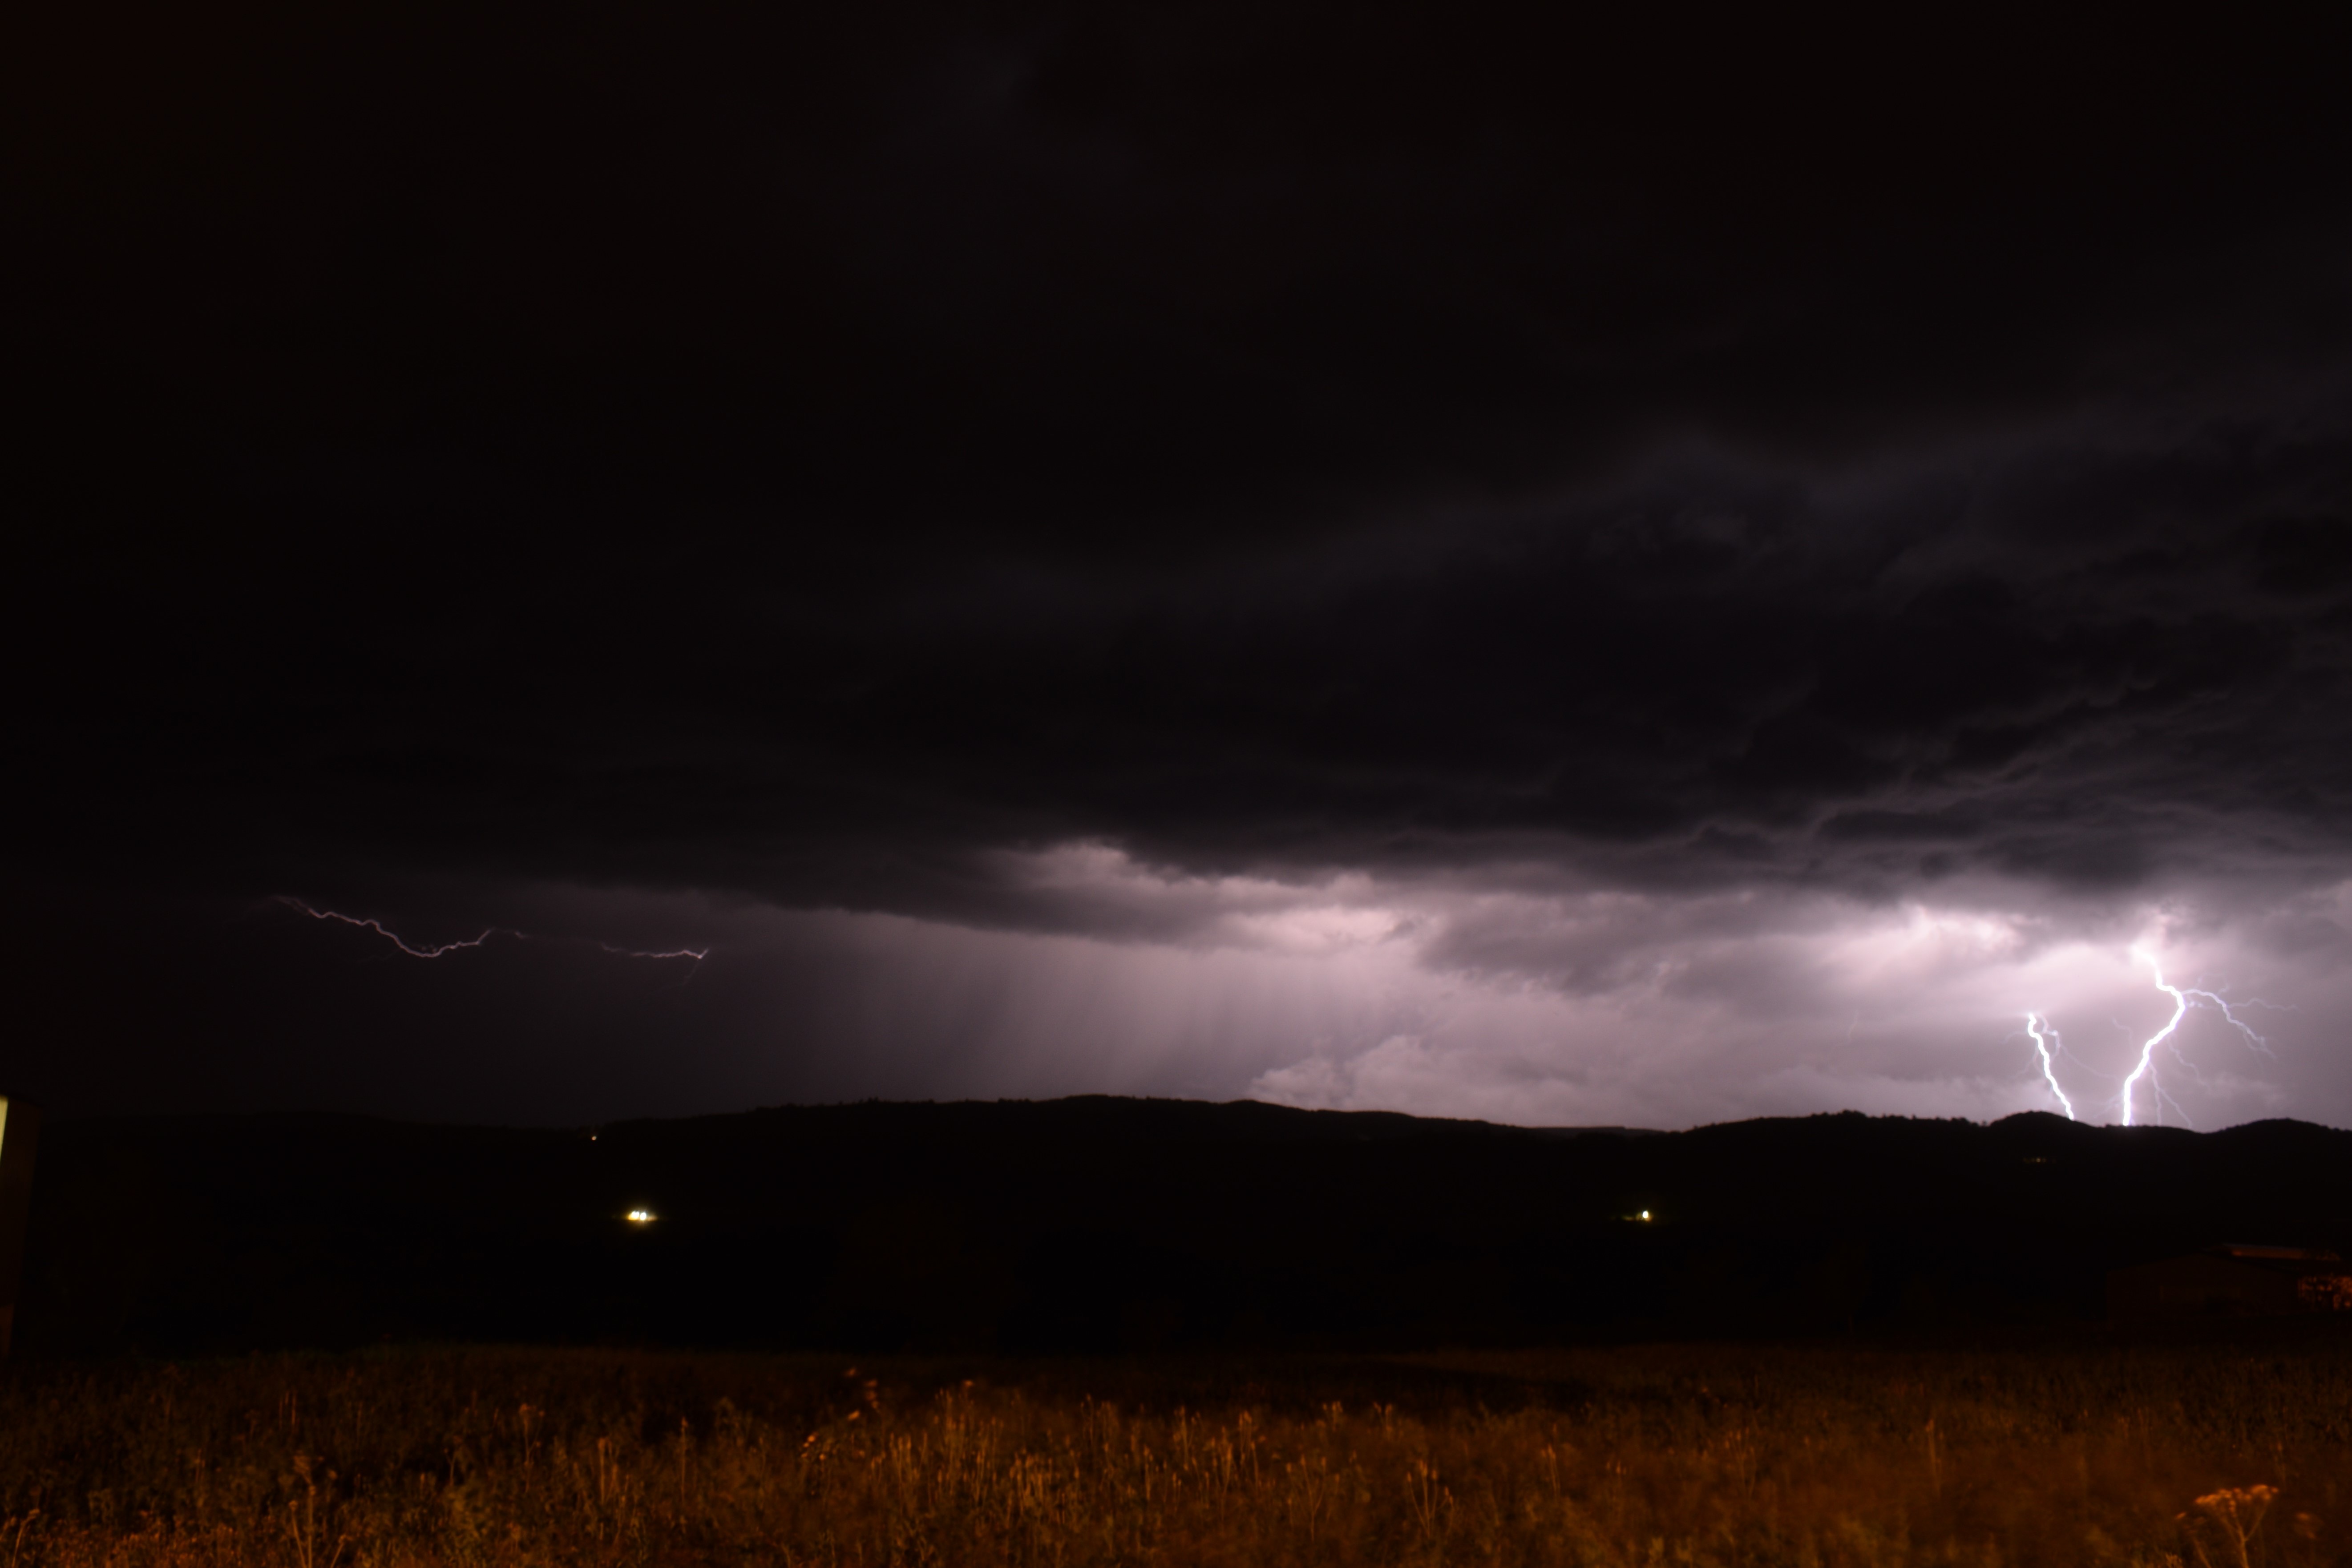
[(389, 935), (696, 953), (367, 923)]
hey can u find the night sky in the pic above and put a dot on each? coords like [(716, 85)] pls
[(1634, 566)]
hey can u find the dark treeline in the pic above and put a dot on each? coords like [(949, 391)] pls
[(1103, 1225)]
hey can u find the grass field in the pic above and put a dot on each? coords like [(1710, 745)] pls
[(2204, 1454)]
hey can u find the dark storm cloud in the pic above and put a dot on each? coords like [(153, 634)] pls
[(1123, 471), (2090, 656)]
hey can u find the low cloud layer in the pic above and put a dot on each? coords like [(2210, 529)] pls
[(1599, 1006)]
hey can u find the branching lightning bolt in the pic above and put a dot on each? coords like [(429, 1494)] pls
[(2183, 998), (367, 924), (2034, 1023), (2048, 1046)]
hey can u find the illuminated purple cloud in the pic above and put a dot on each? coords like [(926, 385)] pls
[(1123, 551)]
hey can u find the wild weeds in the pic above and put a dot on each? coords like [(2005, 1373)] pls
[(1632, 1459), (2234, 1515)]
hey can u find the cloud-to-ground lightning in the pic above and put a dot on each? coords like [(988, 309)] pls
[(2034, 1024), (2183, 998), (2049, 1047), (369, 923)]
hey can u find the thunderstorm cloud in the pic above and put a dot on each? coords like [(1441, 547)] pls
[(1599, 572)]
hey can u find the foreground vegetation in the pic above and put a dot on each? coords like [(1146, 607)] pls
[(1651, 1457)]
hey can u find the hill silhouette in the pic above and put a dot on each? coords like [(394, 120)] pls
[(1097, 1224)]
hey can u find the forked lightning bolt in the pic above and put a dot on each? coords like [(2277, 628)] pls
[(696, 953), (2034, 1024), (2048, 1046), (2183, 997)]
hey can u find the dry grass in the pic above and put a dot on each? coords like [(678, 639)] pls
[(1646, 1457)]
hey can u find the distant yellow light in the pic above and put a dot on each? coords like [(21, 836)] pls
[(1645, 1213), (641, 1217)]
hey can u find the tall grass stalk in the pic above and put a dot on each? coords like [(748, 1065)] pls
[(1632, 1459)]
